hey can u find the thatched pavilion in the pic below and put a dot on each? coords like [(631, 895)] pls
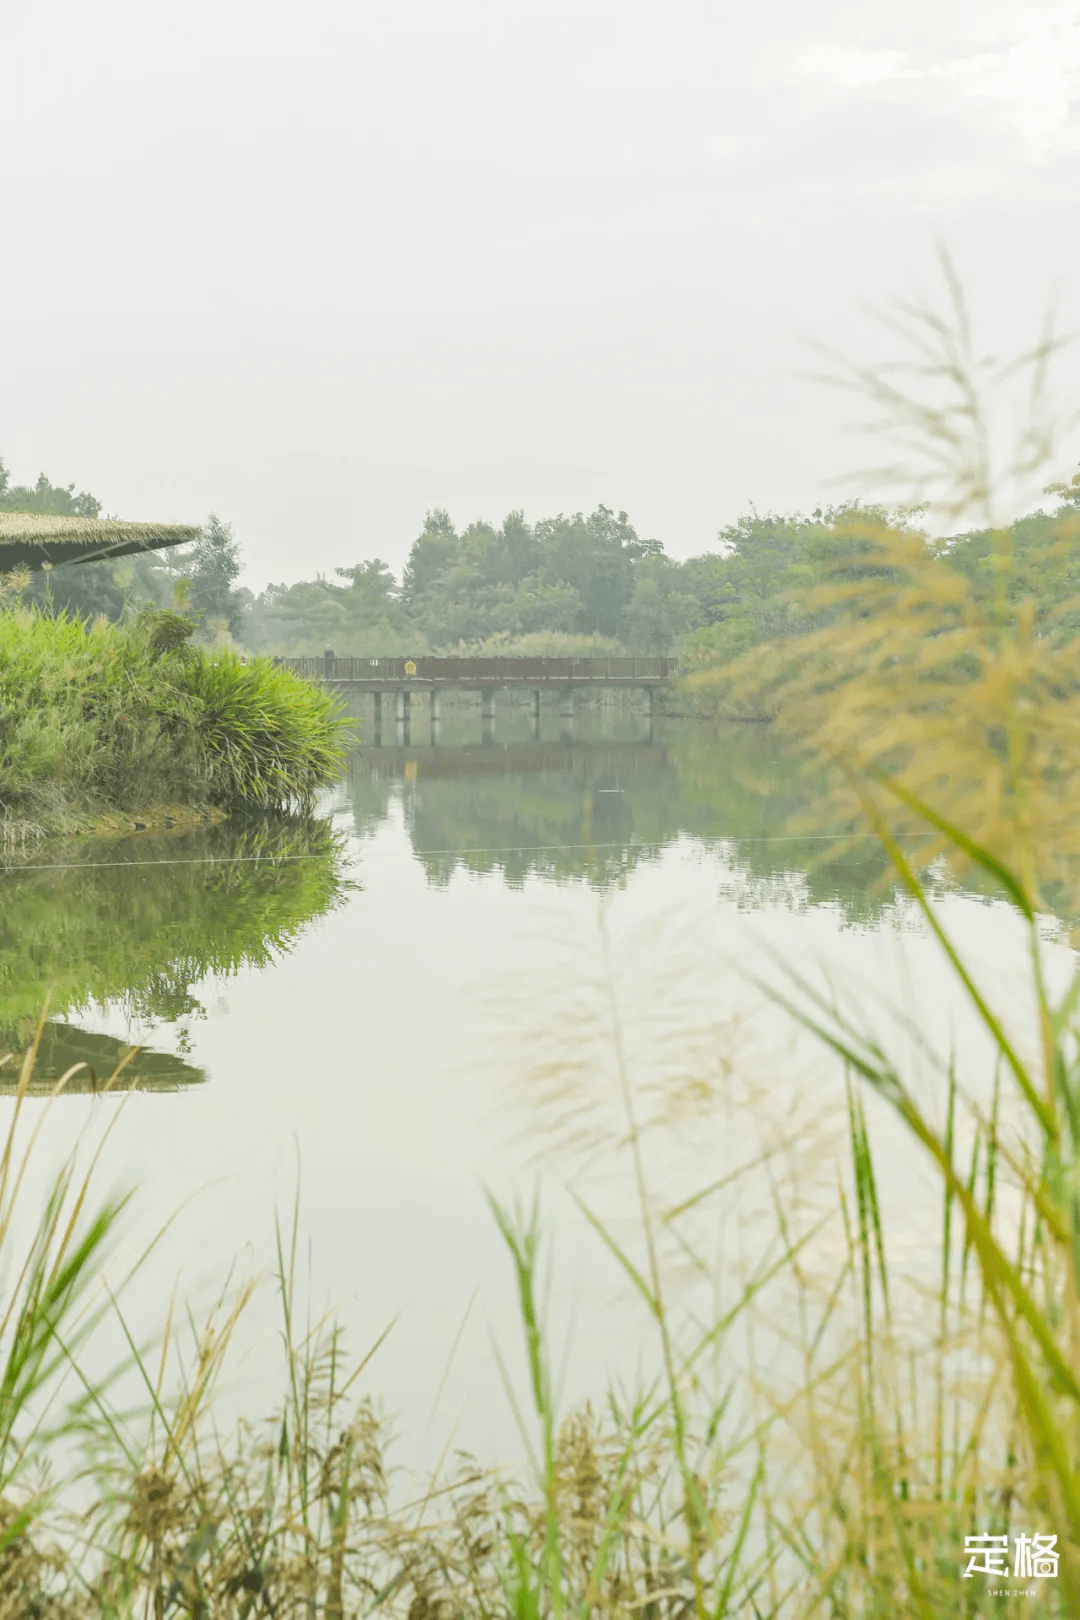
[(36, 540)]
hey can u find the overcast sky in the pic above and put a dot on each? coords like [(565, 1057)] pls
[(320, 266)]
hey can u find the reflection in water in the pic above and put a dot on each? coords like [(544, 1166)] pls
[(557, 809), (137, 923), (382, 1050), (133, 926), (104, 1062), (596, 808)]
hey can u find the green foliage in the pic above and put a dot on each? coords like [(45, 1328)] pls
[(268, 739), (92, 715), (236, 894), (209, 571), (621, 1516), (544, 644), (661, 609), (756, 590), (361, 617), (1036, 560), (564, 574), (959, 683), (45, 496), (590, 578), (512, 586), (89, 591), (97, 716), (48, 1312), (165, 632)]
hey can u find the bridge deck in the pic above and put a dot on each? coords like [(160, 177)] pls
[(425, 674)]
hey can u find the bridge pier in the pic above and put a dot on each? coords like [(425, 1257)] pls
[(403, 718), (566, 712), (436, 715), (487, 714), (536, 715), (377, 737), (649, 700)]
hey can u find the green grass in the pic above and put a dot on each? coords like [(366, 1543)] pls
[(98, 717)]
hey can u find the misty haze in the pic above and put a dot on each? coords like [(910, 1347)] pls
[(539, 871)]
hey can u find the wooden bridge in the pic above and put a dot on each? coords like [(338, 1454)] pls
[(476, 674), (404, 676)]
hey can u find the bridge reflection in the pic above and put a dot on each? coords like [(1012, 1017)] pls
[(585, 760), (559, 809), (397, 729)]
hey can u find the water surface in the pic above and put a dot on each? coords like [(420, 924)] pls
[(416, 997)]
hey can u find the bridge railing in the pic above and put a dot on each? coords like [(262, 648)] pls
[(499, 671)]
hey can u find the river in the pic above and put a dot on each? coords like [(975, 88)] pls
[(423, 994)]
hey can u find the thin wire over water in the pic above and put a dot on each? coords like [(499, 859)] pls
[(493, 849)]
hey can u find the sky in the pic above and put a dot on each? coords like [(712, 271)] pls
[(320, 266)]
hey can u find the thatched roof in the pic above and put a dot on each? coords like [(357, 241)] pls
[(34, 539)]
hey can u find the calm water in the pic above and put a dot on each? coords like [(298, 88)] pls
[(417, 997)]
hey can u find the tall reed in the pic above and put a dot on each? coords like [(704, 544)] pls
[(949, 707)]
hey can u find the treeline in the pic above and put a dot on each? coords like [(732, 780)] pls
[(563, 584), (45, 497)]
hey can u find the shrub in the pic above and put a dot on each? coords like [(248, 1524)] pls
[(268, 738), (97, 716)]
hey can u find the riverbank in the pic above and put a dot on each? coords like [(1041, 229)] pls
[(18, 836), (117, 727)]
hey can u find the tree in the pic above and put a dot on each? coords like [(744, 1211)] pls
[(566, 574), (45, 497), (360, 617), (596, 556), (658, 612), (373, 585), (210, 569), (433, 552)]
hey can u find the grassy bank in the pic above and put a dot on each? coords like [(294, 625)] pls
[(100, 717)]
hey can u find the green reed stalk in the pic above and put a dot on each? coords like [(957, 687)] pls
[(1034, 1305)]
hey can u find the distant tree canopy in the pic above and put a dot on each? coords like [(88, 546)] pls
[(576, 581), (570, 574), (358, 613), (45, 497), (589, 578), (564, 584), (1044, 562), (205, 578)]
